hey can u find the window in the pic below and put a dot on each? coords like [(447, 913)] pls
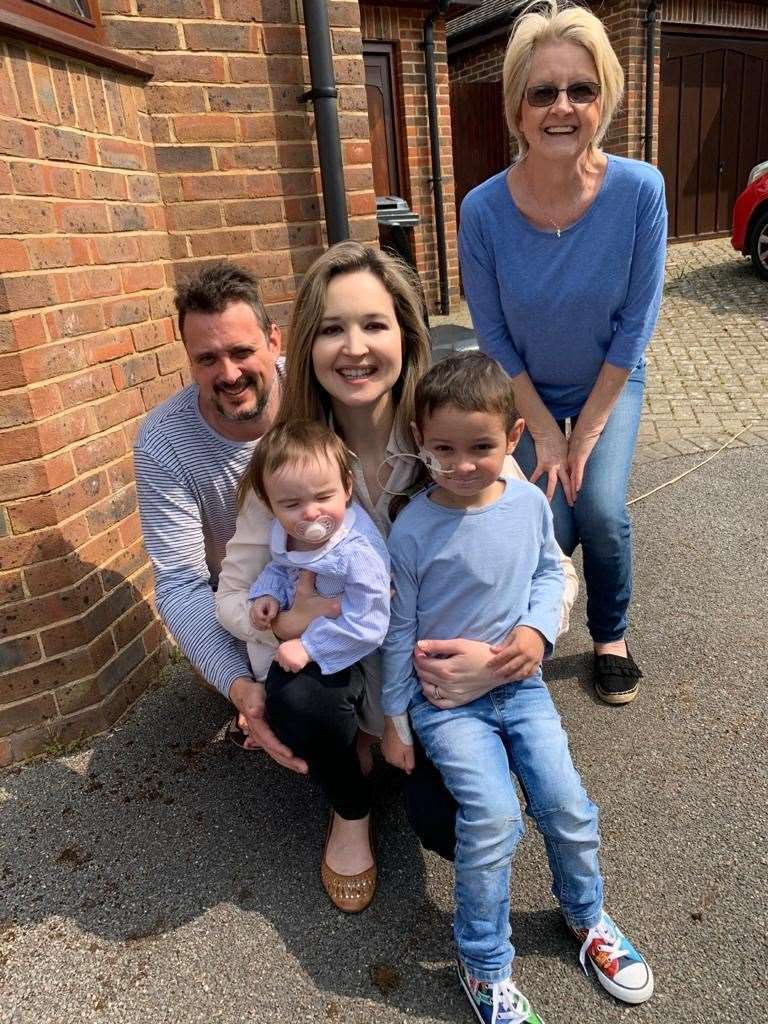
[(70, 26), (53, 19)]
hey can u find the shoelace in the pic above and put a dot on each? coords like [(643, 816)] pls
[(509, 1004), (610, 942)]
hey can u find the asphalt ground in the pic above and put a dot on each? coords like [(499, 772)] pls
[(159, 874)]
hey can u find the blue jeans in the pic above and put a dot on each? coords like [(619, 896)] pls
[(514, 728), (600, 519)]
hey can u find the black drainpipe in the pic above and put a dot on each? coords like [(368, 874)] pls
[(323, 95), (434, 145), (650, 40)]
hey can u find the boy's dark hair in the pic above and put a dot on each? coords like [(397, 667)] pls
[(214, 287), (295, 441), (471, 381)]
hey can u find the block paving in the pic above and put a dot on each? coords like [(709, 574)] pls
[(708, 360)]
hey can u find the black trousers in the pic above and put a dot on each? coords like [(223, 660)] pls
[(429, 807), (316, 716)]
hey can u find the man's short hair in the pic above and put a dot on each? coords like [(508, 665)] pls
[(215, 287), (294, 442), (471, 381)]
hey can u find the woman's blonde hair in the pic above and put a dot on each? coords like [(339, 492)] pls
[(303, 397), (551, 21)]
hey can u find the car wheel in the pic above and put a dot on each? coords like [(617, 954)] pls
[(758, 246)]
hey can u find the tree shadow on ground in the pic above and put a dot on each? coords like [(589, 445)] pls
[(160, 820)]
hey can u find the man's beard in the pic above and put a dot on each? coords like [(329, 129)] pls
[(244, 415)]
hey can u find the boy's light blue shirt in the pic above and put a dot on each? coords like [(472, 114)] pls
[(559, 307), (354, 563), (474, 573)]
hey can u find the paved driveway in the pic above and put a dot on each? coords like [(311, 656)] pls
[(708, 361)]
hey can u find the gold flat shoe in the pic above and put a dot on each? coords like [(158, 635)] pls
[(349, 893)]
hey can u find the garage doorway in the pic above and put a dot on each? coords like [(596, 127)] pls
[(479, 134), (713, 125)]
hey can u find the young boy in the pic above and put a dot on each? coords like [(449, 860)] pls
[(301, 471), (475, 557)]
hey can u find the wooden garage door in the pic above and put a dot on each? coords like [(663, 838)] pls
[(479, 134), (713, 126)]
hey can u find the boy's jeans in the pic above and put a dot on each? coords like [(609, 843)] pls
[(600, 519), (513, 727)]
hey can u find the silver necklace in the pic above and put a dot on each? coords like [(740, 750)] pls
[(542, 211)]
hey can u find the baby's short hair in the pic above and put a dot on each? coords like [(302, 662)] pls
[(298, 441), (471, 381)]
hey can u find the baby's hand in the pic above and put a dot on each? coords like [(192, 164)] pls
[(263, 610), (292, 656), (395, 751)]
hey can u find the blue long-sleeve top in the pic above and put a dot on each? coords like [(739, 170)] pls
[(354, 564), (470, 573), (559, 307)]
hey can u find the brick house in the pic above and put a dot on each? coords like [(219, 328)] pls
[(139, 138), (708, 98)]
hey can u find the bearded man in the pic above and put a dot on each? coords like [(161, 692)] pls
[(189, 456)]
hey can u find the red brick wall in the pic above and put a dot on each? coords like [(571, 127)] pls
[(624, 23), (235, 150), (404, 27), (482, 63), (86, 347)]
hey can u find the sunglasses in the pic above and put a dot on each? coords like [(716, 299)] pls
[(546, 95)]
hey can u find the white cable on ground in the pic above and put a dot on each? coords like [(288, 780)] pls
[(693, 468)]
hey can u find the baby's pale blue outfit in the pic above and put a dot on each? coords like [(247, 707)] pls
[(476, 574), (354, 564)]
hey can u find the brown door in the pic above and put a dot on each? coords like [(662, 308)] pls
[(382, 120), (478, 133), (713, 126)]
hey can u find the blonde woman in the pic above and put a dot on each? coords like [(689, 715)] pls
[(358, 346), (562, 257)]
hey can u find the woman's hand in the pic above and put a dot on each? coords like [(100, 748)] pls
[(552, 460), (580, 445), (458, 668), (308, 605)]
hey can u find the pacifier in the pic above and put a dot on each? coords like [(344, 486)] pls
[(318, 530)]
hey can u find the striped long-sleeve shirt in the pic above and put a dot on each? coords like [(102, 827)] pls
[(186, 480), (354, 564)]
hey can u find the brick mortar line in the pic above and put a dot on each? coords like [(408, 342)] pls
[(63, 378), (64, 522), (70, 447), (87, 134), (78, 164)]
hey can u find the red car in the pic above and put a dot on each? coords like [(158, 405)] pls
[(750, 220)]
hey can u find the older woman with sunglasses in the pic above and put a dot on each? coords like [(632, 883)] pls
[(562, 257)]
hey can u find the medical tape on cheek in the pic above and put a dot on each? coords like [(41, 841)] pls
[(427, 458)]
